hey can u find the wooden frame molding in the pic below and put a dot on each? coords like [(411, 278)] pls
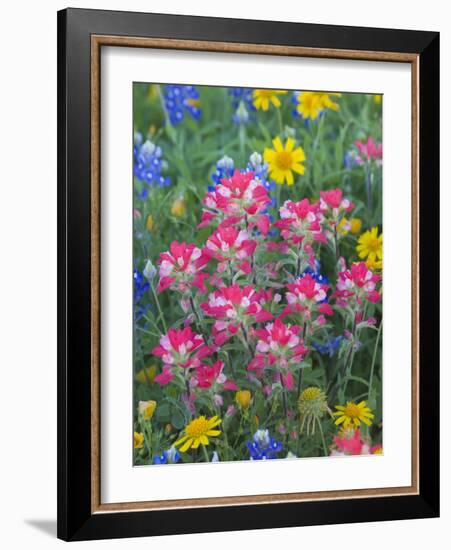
[(97, 41)]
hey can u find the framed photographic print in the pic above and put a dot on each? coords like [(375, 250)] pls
[(248, 274)]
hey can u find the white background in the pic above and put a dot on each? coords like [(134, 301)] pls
[(119, 481), (28, 274)]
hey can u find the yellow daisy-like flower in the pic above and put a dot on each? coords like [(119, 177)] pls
[(369, 247), (310, 104), (243, 398), (147, 408), (262, 98), (138, 440), (178, 207), (352, 415), (198, 431), (283, 161)]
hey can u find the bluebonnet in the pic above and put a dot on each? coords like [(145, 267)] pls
[(329, 347), (315, 273), (224, 169), (351, 159), (140, 287), (148, 164), (260, 170), (263, 447), (244, 95), (179, 100), (171, 456)]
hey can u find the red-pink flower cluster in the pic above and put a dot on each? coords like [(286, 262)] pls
[(231, 247), (351, 443), (307, 296), (181, 267), (370, 149), (357, 284)]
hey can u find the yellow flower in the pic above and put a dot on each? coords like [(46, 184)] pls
[(283, 161), (178, 207), (262, 98), (149, 223), (138, 440), (312, 405), (356, 225), (147, 408), (146, 375), (310, 104), (198, 431), (351, 415), (243, 398), (345, 226), (377, 98), (168, 429), (369, 247), (153, 91)]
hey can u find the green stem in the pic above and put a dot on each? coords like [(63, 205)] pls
[(161, 315), (279, 118), (322, 438), (373, 362), (204, 449)]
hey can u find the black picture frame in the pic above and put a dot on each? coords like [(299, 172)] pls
[(76, 521)]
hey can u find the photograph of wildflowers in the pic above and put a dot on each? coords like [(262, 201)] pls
[(257, 271)]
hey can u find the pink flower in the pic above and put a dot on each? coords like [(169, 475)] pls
[(300, 222), (206, 376), (182, 267), (240, 197), (278, 346), (308, 296), (228, 244), (332, 203), (370, 149), (233, 307), (350, 442), (357, 283), (179, 349)]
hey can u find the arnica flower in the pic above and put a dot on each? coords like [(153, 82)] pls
[(148, 165), (171, 456), (179, 349), (352, 415), (284, 160), (345, 226), (369, 246), (311, 104), (181, 268), (263, 98), (329, 347), (197, 433), (357, 283), (178, 208), (279, 347), (263, 447), (138, 440), (179, 100), (243, 398), (147, 408), (312, 407), (240, 198), (369, 150)]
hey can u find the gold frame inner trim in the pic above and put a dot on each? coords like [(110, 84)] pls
[(97, 41)]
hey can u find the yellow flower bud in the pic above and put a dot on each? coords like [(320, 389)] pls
[(146, 375), (243, 398), (343, 226), (356, 225), (149, 223), (147, 408), (138, 440), (168, 429), (178, 207)]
